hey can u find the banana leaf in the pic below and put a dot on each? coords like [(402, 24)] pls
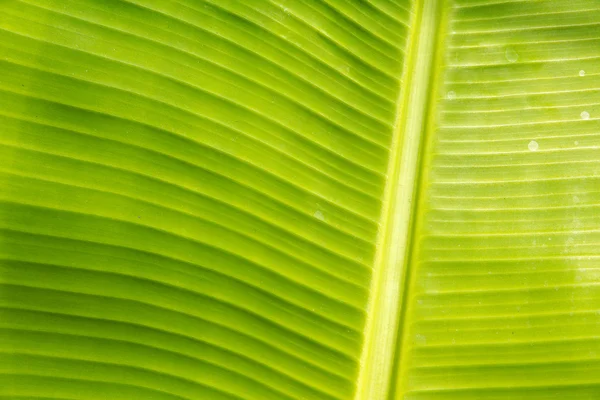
[(299, 199)]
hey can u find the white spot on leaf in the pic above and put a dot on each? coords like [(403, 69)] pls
[(511, 55), (533, 145)]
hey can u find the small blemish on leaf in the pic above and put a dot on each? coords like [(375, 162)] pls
[(533, 145), (319, 215)]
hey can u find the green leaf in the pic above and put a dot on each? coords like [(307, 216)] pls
[(288, 199)]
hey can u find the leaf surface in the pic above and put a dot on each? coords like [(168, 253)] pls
[(291, 199)]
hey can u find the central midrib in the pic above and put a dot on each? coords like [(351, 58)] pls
[(390, 269)]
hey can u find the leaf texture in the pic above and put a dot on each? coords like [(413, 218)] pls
[(285, 199), (191, 194), (503, 296)]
